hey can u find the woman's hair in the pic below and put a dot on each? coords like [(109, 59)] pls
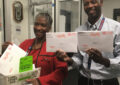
[(47, 16)]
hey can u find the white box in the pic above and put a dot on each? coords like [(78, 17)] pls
[(17, 79)]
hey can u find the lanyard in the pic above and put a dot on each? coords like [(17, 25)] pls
[(100, 27), (101, 24), (89, 63), (30, 49)]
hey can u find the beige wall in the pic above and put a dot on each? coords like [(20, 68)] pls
[(107, 9), (1, 24), (16, 32)]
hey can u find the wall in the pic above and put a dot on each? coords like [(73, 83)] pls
[(1, 24), (108, 7), (16, 32)]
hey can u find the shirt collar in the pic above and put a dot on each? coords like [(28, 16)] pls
[(97, 24)]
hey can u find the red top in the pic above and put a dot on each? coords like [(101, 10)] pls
[(52, 70)]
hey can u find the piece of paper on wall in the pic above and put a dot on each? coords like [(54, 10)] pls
[(101, 40), (61, 40), (9, 61)]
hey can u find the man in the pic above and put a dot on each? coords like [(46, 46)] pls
[(96, 68)]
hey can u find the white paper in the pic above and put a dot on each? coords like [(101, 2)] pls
[(61, 40), (9, 61), (101, 40)]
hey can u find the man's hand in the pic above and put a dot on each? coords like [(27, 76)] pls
[(33, 81), (97, 57), (62, 56)]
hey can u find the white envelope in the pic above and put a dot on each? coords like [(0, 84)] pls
[(101, 40), (61, 40), (9, 61)]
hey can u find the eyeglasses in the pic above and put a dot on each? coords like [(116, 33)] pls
[(42, 24)]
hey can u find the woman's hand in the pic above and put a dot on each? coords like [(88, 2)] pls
[(33, 81)]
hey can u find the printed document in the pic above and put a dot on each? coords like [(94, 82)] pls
[(71, 41), (9, 61), (101, 40), (66, 41)]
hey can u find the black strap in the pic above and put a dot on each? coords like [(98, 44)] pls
[(38, 54), (81, 57)]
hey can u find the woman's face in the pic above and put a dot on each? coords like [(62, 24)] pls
[(41, 27)]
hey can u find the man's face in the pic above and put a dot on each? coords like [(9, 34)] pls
[(92, 8)]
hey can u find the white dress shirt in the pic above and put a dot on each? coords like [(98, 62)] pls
[(97, 70)]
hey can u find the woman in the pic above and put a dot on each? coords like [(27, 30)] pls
[(52, 70)]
